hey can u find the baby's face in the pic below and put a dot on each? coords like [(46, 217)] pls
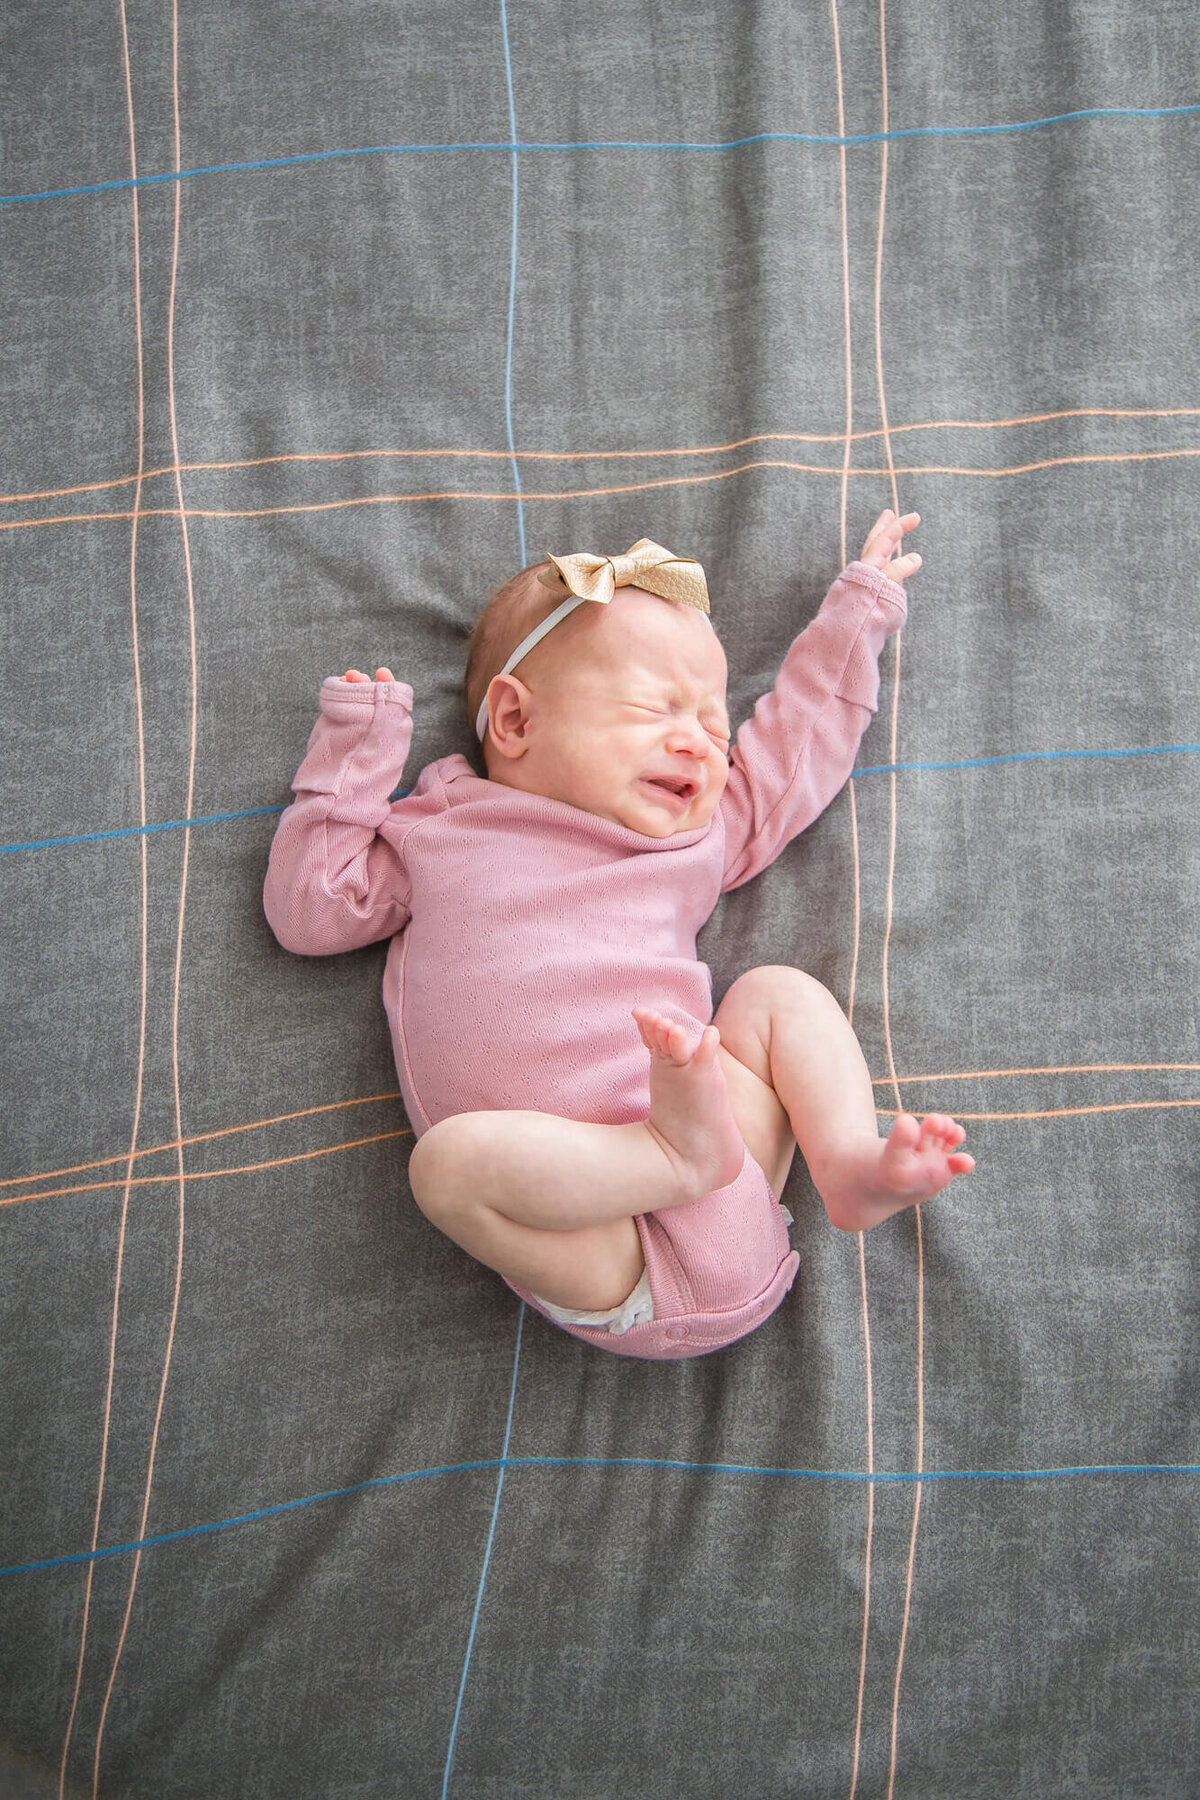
[(628, 717)]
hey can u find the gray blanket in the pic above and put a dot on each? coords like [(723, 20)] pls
[(319, 320)]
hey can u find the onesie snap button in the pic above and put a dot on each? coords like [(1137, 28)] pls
[(677, 1333)]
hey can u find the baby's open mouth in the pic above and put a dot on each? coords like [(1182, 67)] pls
[(680, 787)]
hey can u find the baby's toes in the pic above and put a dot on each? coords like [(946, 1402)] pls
[(940, 1132), (675, 1043), (646, 1024), (907, 1133), (655, 1031)]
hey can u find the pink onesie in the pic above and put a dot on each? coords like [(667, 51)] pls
[(524, 930)]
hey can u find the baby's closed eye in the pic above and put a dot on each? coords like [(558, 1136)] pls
[(716, 729)]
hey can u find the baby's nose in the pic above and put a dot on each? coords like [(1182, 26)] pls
[(687, 736)]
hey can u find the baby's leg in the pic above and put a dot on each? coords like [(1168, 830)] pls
[(796, 1048), (549, 1202)]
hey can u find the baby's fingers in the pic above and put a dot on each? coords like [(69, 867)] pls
[(885, 535), (902, 567)]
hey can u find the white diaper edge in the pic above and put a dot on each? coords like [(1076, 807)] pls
[(636, 1309)]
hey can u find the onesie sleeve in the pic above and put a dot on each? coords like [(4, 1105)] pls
[(798, 749), (333, 883)]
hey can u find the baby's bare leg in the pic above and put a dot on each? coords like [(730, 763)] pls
[(549, 1202), (796, 1047)]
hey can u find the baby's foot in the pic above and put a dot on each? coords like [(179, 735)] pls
[(690, 1117), (916, 1160)]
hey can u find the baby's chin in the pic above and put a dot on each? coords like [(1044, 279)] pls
[(658, 820), (633, 807)]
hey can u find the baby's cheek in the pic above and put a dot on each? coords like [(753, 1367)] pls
[(718, 775)]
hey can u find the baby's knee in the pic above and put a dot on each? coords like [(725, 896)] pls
[(438, 1169), (774, 986)]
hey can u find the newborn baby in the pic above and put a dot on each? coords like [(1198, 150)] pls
[(586, 1127)]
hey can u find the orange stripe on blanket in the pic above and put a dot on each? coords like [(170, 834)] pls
[(761, 437), (275, 1162), (200, 1137), (1055, 1069), (590, 493), (1066, 1112)]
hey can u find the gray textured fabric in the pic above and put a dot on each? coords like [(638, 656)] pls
[(561, 1573)]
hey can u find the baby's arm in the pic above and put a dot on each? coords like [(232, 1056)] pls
[(333, 882), (798, 749)]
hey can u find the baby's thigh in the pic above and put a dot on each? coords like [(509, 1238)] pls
[(592, 1269)]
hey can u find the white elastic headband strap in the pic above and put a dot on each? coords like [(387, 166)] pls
[(523, 648)]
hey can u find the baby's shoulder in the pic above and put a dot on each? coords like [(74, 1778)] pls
[(440, 786), (453, 771)]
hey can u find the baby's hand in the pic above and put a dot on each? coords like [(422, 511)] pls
[(357, 675), (883, 541)]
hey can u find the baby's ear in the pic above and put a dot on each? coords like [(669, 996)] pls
[(508, 715)]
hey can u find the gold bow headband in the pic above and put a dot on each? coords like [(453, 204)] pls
[(644, 565)]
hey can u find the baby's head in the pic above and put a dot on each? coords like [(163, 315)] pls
[(618, 710)]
